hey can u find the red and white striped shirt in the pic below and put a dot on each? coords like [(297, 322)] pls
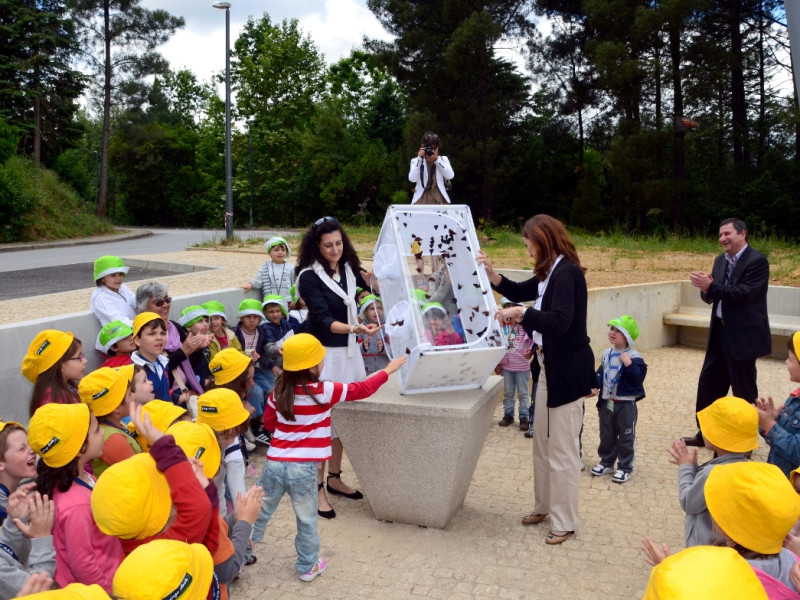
[(308, 437)]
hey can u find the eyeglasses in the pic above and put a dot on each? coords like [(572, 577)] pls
[(319, 222), (80, 356), (163, 301)]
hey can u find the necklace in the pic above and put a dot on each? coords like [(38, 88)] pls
[(275, 280)]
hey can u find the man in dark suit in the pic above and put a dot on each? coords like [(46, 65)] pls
[(739, 333)]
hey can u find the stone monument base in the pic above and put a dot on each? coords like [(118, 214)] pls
[(415, 455)]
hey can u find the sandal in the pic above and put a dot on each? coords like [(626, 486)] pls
[(356, 495), (533, 518), (250, 561), (553, 539), (325, 514)]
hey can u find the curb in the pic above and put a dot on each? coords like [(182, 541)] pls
[(74, 242)]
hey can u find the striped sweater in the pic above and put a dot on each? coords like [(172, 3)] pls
[(308, 437)]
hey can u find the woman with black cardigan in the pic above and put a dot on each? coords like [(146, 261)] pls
[(557, 325), (328, 274)]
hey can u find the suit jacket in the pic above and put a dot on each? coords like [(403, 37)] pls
[(744, 304), (568, 358)]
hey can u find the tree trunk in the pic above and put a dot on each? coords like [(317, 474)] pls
[(37, 102), (762, 99), (738, 106), (103, 191), (678, 149)]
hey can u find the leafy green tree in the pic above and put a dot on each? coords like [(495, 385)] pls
[(119, 39), (278, 75), (38, 86), (443, 56)]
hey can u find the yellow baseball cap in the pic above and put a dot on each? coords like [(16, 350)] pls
[(44, 351), (143, 319), (131, 499), (198, 441), (103, 390), (73, 591), (165, 569), (731, 424), (753, 503), (302, 351), (704, 572), (57, 432), (127, 371), (228, 364), (221, 409), (4, 424), (162, 415)]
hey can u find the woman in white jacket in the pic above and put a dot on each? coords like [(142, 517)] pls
[(424, 166)]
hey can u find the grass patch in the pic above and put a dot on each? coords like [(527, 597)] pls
[(51, 209)]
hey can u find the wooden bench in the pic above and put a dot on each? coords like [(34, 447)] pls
[(693, 317)]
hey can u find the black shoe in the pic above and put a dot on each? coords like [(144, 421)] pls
[(325, 514), (356, 495), (696, 440), (523, 424), (506, 421)]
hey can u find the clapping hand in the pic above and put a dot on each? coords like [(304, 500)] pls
[(653, 555), (40, 517), (767, 412), (681, 454)]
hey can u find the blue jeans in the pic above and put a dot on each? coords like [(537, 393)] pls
[(257, 396), (518, 382), (299, 480)]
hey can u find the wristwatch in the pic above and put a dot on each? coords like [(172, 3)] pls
[(352, 328)]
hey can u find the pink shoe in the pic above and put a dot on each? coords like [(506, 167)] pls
[(318, 569)]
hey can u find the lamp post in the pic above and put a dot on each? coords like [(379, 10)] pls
[(250, 144), (226, 6)]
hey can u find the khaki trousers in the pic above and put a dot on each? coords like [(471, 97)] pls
[(556, 458)]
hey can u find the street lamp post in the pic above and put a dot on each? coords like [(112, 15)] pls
[(226, 6), (250, 144), (96, 176)]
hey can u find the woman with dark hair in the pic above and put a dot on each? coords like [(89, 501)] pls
[(557, 325), (430, 172), (329, 272)]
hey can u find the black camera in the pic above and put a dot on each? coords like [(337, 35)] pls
[(428, 150)]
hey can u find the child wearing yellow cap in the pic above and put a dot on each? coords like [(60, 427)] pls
[(299, 413), (150, 337), (17, 461), (160, 495), (222, 410), (140, 388), (780, 425), (67, 437), (730, 430), (26, 540), (54, 364), (104, 392)]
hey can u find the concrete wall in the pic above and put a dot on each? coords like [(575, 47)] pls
[(646, 303)]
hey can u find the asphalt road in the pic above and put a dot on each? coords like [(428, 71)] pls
[(162, 241)]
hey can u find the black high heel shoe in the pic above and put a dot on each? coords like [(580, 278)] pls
[(354, 496), (325, 514)]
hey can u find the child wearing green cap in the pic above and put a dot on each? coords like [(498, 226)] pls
[(275, 276), (620, 381), (116, 340), (373, 346), (112, 299), (277, 326), (224, 337)]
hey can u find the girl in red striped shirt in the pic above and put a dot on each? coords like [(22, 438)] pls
[(298, 412)]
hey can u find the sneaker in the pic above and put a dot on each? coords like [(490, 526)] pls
[(529, 433), (523, 424), (506, 421), (263, 437), (248, 435), (621, 476), (600, 470), (249, 445), (318, 569)]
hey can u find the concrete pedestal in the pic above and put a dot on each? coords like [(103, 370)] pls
[(415, 455)]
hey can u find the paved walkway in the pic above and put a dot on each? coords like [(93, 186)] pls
[(486, 552)]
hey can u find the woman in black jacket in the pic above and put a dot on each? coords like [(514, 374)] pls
[(328, 273), (557, 325)]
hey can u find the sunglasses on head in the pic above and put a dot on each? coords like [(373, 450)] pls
[(319, 222), (163, 301)]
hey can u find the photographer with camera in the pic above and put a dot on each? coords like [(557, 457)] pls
[(428, 167)]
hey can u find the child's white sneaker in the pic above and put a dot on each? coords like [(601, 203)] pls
[(318, 569), (621, 476), (599, 470)]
